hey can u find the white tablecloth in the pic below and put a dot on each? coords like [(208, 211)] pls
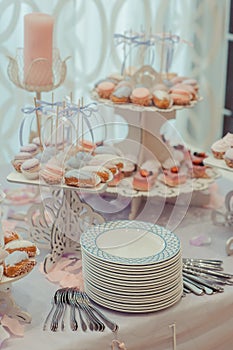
[(202, 323)]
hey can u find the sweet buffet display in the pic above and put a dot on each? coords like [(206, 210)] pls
[(129, 266)]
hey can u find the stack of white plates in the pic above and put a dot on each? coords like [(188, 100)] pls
[(132, 266)]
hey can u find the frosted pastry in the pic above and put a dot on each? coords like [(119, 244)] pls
[(10, 236), (22, 245), (219, 148), (104, 173), (30, 169), (79, 160), (186, 87), (180, 99), (121, 94), (141, 96), (105, 89), (17, 264), (228, 138), (79, 178), (228, 157), (3, 255), (161, 99)]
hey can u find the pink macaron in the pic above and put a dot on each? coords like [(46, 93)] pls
[(52, 174), (31, 148), (30, 168)]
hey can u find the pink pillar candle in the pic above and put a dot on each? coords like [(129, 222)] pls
[(38, 49)]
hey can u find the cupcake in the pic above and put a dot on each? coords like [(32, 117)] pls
[(228, 157)]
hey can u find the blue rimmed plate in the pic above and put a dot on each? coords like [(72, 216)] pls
[(130, 243)]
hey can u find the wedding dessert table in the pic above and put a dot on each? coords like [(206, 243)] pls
[(199, 322)]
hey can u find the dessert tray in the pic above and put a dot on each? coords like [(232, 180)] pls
[(19, 178), (218, 163), (138, 108), (125, 187), (132, 266)]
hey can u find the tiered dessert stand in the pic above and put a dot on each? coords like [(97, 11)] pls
[(59, 219), (144, 141)]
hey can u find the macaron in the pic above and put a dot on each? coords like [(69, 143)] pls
[(30, 168), (19, 159), (31, 148), (52, 174)]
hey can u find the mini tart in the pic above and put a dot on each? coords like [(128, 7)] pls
[(81, 178), (21, 245), (174, 177), (229, 157), (198, 169), (10, 236), (17, 264), (143, 180), (141, 96), (161, 99), (105, 89)]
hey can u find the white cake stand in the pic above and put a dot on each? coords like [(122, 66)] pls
[(59, 219)]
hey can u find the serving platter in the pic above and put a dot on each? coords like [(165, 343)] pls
[(137, 108), (217, 163)]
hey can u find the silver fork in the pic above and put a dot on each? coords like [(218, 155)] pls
[(98, 325), (110, 324), (58, 311), (71, 301)]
